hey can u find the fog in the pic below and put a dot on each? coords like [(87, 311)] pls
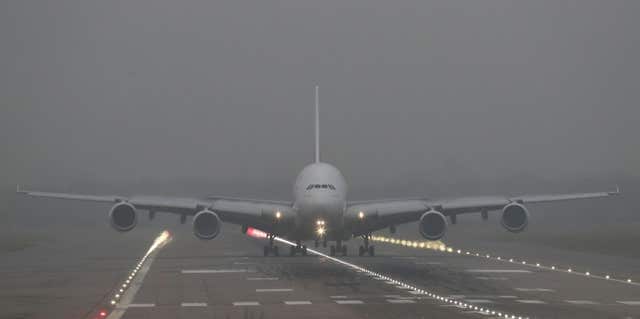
[(417, 97)]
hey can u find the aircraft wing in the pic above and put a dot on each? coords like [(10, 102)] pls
[(368, 216), (248, 212)]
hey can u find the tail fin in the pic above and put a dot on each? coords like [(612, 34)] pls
[(317, 115)]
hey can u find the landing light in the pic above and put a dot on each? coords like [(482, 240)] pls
[(361, 215), (321, 231), (278, 215)]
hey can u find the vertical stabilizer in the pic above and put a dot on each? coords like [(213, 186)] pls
[(317, 115)]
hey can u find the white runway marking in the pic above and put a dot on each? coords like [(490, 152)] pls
[(193, 304), (433, 263), (629, 303), (263, 278), (498, 271), (246, 303), (141, 305), (349, 302), (582, 302), (507, 297), (531, 301), (400, 301), (392, 296), (338, 297), (213, 271), (483, 301), (297, 303), (534, 289), (492, 278), (403, 287), (414, 292), (274, 290)]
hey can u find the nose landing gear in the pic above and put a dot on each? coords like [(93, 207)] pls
[(366, 249), (338, 248), (298, 248), (271, 248)]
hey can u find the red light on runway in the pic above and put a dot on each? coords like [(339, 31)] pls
[(102, 314), (256, 233)]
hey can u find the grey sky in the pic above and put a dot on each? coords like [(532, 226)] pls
[(410, 89)]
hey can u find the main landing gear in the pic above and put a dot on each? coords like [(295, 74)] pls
[(271, 248), (338, 248), (298, 248), (324, 243), (366, 249)]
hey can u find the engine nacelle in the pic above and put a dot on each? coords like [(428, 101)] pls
[(433, 225), (206, 225), (515, 218), (123, 217)]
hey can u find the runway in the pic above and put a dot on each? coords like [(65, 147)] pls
[(228, 278), (220, 283)]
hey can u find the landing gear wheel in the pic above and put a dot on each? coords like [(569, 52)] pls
[(361, 251), (276, 251), (332, 250), (372, 251), (344, 250)]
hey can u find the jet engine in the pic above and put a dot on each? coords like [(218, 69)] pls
[(206, 224), (123, 217), (515, 218), (433, 225)]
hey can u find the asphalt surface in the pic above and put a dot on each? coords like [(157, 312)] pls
[(228, 277)]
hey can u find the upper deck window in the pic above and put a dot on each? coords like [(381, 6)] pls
[(321, 186)]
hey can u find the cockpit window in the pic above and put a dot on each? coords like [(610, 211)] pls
[(321, 186)]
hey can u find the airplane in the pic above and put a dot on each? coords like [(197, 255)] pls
[(320, 211)]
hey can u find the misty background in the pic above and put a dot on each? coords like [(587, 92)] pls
[(417, 98)]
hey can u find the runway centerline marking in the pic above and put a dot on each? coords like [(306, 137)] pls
[(400, 301), (193, 304), (338, 297), (531, 301), (263, 278), (297, 303), (629, 303), (246, 303), (479, 301), (582, 302), (534, 289), (349, 302), (274, 290)]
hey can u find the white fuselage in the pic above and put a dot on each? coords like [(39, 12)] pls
[(320, 194)]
